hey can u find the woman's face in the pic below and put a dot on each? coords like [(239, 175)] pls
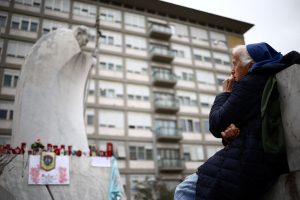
[(238, 69)]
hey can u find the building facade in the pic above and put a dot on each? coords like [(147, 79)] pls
[(159, 67)]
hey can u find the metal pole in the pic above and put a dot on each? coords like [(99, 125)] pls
[(98, 33)]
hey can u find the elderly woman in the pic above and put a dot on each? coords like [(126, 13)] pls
[(241, 170)]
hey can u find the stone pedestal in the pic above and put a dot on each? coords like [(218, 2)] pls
[(86, 183)]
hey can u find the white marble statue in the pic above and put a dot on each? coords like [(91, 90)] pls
[(50, 96)]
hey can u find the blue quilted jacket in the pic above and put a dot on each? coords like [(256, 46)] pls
[(241, 170)]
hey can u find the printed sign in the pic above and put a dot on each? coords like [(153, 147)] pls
[(59, 175), (100, 161)]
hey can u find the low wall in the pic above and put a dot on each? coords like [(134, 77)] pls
[(288, 185)]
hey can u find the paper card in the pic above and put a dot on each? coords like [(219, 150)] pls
[(98, 161), (58, 176)]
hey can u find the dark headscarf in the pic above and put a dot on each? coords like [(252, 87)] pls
[(263, 55)]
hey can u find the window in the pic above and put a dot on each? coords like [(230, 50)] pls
[(184, 74), (207, 100), (10, 78), (7, 80), (164, 96), (187, 156), (162, 73), (110, 63), (136, 66), (181, 51), (3, 19), (187, 98), (49, 26), (199, 34), (138, 93), (111, 119), (119, 149), (166, 127), (5, 2), (110, 15), (161, 49), (58, 5), (110, 89), (3, 114), (18, 49), (205, 77), (135, 42), (15, 24), (198, 57), (83, 9), (165, 99), (90, 117), (169, 154), (141, 121), (134, 20), (110, 38), (179, 30), (6, 111), (5, 139), (202, 55), (24, 23), (193, 153), (182, 125), (34, 27), (222, 59), (90, 120), (206, 126), (190, 125), (35, 3), (140, 152), (178, 53), (218, 40)]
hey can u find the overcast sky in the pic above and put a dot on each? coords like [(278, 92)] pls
[(276, 22)]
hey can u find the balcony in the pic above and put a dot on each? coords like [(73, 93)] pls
[(164, 79), (171, 165), (167, 106), (161, 54), (168, 134), (160, 31)]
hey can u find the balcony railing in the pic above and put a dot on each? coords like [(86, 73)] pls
[(171, 164), (160, 31), (169, 106), (168, 134), (161, 54), (164, 79)]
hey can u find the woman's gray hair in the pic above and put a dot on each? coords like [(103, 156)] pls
[(241, 51)]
